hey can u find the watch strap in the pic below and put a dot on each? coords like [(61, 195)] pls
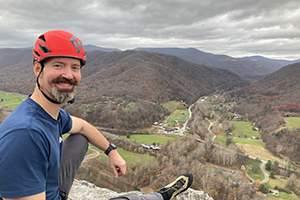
[(110, 148)]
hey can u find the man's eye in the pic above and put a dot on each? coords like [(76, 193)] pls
[(58, 66), (76, 68)]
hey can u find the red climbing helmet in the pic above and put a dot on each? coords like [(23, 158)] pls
[(58, 43)]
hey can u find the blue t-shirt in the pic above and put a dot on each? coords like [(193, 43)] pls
[(30, 151)]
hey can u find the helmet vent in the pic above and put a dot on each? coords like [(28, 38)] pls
[(44, 49), (36, 53), (42, 37), (73, 41)]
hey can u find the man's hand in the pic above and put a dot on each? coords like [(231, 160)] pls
[(117, 163)]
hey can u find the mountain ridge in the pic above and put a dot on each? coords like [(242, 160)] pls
[(252, 69), (154, 72)]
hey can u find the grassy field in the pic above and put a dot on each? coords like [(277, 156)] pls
[(171, 105), (129, 157), (256, 176), (11, 100), (244, 128), (259, 152), (179, 115), (254, 142), (179, 111), (251, 147), (282, 195), (149, 139), (291, 122)]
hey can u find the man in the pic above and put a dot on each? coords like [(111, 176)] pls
[(34, 162)]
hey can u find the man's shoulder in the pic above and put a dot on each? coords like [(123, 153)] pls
[(18, 122)]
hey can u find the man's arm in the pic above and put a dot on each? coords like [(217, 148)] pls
[(40, 196), (117, 163)]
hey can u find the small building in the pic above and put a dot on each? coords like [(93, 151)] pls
[(169, 129)]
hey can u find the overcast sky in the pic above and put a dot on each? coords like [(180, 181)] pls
[(237, 28)]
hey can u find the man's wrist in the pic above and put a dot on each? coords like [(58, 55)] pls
[(111, 147)]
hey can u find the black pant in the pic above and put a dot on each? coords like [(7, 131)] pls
[(74, 149)]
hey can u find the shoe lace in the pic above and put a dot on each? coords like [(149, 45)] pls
[(179, 184)]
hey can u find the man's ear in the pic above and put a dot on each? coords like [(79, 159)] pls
[(37, 68)]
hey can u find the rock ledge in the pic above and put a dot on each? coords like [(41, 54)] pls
[(83, 190)]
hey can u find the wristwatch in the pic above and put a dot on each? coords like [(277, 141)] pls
[(111, 147)]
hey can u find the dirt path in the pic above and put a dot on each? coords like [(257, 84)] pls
[(91, 155)]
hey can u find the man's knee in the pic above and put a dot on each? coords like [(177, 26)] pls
[(76, 141)]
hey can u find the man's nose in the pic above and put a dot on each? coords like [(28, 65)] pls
[(67, 73)]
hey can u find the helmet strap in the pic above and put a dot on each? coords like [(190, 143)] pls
[(46, 96)]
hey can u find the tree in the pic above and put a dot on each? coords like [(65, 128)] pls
[(257, 183), (264, 189), (268, 165), (275, 166), (228, 141), (272, 175)]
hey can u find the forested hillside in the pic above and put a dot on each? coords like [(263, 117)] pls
[(267, 102), (249, 68), (112, 80), (152, 76)]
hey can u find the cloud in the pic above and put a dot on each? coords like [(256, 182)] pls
[(232, 27)]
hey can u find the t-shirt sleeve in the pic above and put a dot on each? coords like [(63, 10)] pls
[(23, 167), (66, 121)]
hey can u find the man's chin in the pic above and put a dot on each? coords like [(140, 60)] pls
[(63, 96)]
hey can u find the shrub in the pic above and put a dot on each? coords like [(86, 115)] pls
[(272, 175), (264, 189), (280, 189), (268, 165)]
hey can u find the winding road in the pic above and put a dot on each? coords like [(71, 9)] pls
[(91, 155), (262, 166)]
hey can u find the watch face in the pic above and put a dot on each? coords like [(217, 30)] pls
[(113, 145)]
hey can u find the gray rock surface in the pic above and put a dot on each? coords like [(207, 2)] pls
[(83, 190)]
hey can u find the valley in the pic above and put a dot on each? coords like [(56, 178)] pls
[(242, 135), (143, 100), (250, 145)]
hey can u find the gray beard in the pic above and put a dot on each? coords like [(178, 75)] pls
[(63, 96)]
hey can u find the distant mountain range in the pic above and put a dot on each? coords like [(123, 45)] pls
[(284, 84), (154, 73), (88, 47), (249, 68)]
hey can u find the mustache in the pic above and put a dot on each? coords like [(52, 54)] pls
[(61, 79)]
